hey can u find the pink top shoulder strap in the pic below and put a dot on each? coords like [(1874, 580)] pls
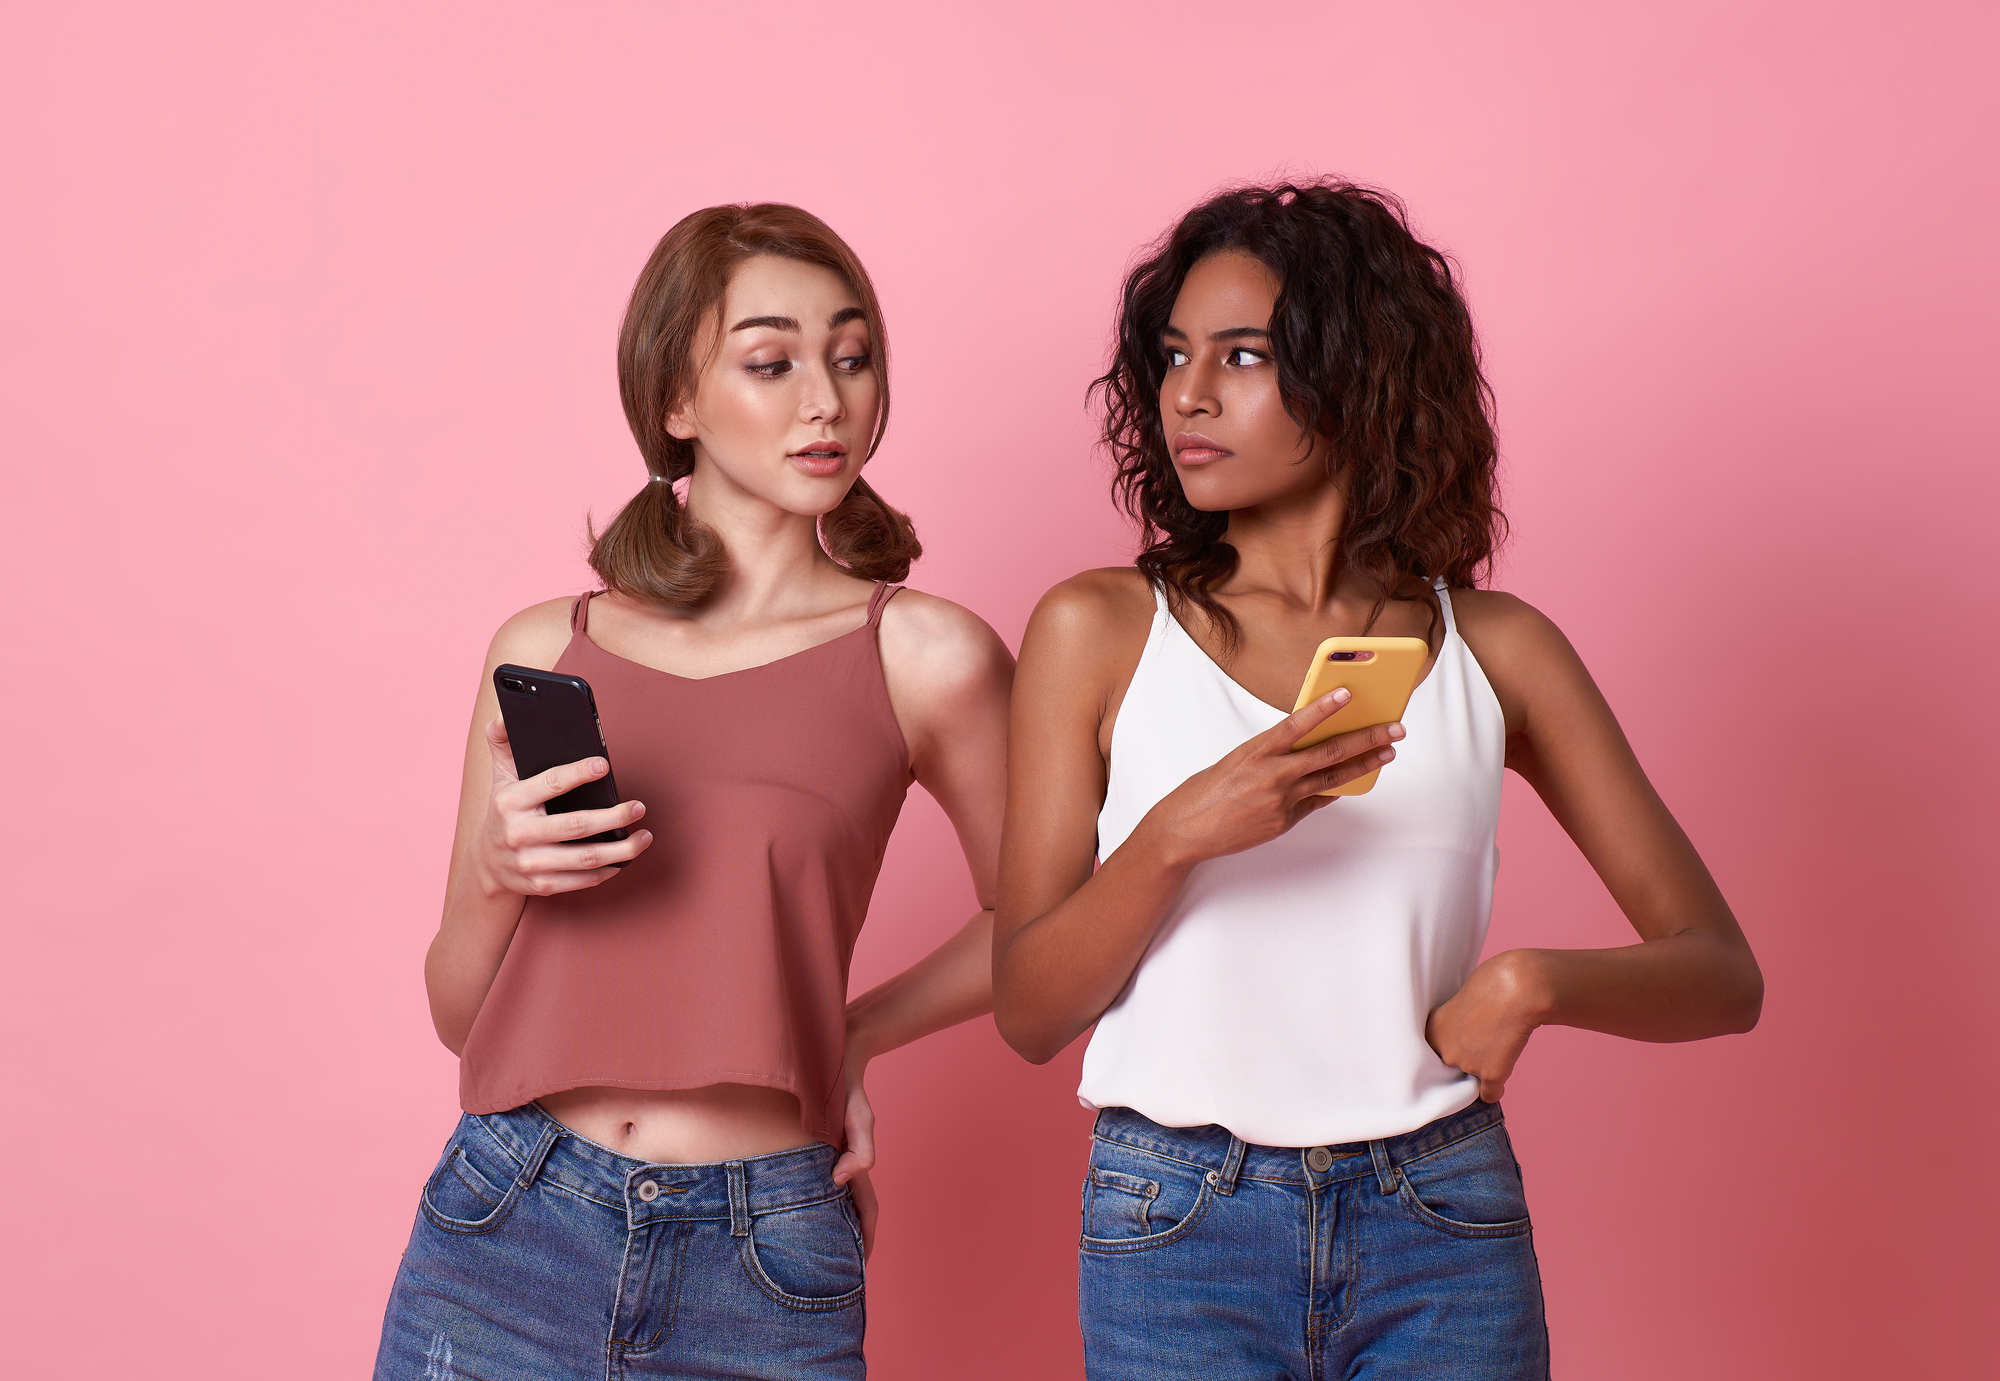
[(579, 612), (884, 592)]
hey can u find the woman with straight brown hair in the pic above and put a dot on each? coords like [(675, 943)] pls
[(662, 1165)]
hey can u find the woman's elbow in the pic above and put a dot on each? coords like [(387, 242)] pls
[(1028, 1038), (1742, 994), (1749, 1005)]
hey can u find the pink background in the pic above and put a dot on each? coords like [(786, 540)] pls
[(308, 383)]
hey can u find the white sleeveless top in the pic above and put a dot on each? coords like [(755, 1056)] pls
[(1285, 994)]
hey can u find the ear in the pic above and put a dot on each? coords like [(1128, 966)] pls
[(680, 423)]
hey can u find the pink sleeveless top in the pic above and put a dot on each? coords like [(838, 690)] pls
[(720, 954)]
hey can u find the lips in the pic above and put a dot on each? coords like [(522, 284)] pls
[(1192, 448), (821, 458)]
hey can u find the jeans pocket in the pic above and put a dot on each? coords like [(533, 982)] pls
[(1133, 1200), (807, 1257), (474, 1187), (1471, 1188)]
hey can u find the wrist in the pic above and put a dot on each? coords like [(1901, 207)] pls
[(486, 883), (1161, 847), (863, 1041), (1531, 986)]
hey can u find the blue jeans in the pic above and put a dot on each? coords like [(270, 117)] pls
[(540, 1256), (1206, 1257)]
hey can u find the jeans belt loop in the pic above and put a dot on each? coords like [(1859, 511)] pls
[(739, 1200), (545, 1143), (1385, 1169), (1232, 1165)]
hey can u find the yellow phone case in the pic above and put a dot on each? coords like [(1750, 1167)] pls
[(1380, 684)]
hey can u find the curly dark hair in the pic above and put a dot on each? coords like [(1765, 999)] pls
[(1374, 348)]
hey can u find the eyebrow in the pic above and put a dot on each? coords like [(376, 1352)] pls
[(1233, 333), (788, 323)]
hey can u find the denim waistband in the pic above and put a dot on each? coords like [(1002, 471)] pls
[(736, 1190), (1229, 1158)]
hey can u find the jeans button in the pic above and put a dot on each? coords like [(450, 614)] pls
[(1320, 1159), (648, 1191)]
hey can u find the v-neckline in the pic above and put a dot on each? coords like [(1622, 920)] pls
[(583, 632), (1259, 700)]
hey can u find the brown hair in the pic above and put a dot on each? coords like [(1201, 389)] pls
[(655, 549), (1374, 347)]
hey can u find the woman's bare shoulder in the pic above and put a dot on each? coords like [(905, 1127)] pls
[(1525, 657), (1504, 627), (1114, 602), (941, 648), (535, 637)]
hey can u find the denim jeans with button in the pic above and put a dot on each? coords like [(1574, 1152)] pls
[(541, 1256), (1410, 1257)]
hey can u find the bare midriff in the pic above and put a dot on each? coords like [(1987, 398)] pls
[(683, 1126)]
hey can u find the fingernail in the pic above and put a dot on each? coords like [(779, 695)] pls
[(638, 809), (1395, 731), (645, 836), (1342, 696), (597, 765), (1385, 755)]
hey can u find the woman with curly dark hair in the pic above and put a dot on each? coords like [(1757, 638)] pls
[(1299, 1166)]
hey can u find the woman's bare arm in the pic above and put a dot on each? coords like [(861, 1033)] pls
[(1067, 939), (949, 678), (1692, 975), (506, 847)]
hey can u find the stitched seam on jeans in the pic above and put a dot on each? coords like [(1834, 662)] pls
[(614, 1346), (839, 1192), (469, 1227), (505, 1145), (1423, 1156), (1129, 1184), (1350, 1229), (1149, 1151), (804, 1303), (559, 1183), (1118, 1246), (467, 1173), (1408, 1197), (682, 1232)]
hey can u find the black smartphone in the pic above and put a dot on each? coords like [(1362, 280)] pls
[(552, 719)]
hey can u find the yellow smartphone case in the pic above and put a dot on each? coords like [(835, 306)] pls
[(1380, 684)]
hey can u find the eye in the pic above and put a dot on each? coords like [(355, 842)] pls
[(853, 364), (1243, 356), (1176, 358), (777, 369)]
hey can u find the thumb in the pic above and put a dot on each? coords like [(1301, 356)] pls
[(859, 1157), (502, 749)]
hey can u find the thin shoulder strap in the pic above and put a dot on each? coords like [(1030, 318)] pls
[(1444, 603), (579, 614), (884, 592)]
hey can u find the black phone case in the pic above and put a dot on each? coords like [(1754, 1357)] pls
[(552, 719)]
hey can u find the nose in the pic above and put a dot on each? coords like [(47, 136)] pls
[(1194, 392), (820, 405)]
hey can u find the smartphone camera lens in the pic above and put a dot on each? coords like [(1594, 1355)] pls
[(1342, 656), (512, 683)]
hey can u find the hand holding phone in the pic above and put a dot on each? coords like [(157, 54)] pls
[(551, 720), (563, 794), (1379, 673)]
